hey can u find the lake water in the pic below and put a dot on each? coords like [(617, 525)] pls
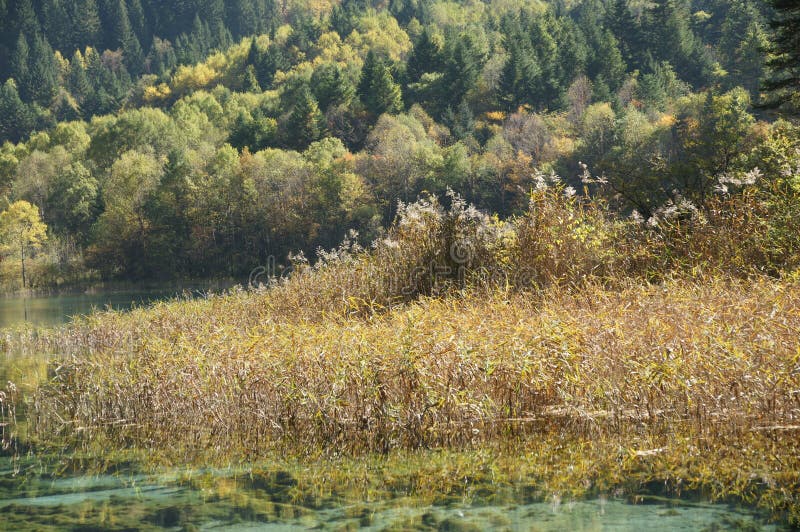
[(50, 310), (66, 495), (275, 501)]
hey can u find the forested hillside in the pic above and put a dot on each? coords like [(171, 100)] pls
[(201, 138)]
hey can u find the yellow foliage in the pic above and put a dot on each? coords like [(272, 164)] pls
[(665, 121), (495, 116), (382, 34), (318, 8), (562, 146), (282, 33), (157, 93), (191, 78)]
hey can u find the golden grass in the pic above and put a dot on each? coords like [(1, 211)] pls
[(720, 357)]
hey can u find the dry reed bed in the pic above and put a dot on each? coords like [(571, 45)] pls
[(232, 376)]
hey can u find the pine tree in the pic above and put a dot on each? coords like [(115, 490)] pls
[(627, 31), (608, 63), (84, 23), (132, 52), (42, 72), (64, 107), (54, 18), (7, 39), (344, 18), (425, 57), (461, 71), (253, 54), (377, 89), (242, 17), (269, 62), (306, 123), (268, 15), (104, 83), (784, 85), (137, 19), (221, 36), (507, 85), (161, 58), (521, 80), (19, 65), (121, 36), (25, 19), (250, 83), (461, 121), (77, 80), (749, 69), (200, 37), (16, 118), (674, 41), (213, 12), (331, 86)]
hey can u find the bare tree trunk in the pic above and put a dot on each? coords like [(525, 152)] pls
[(22, 256)]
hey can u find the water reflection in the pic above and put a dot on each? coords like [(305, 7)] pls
[(51, 310), (119, 502)]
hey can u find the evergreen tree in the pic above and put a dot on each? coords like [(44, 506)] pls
[(573, 52), (674, 41), (305, 32), (77, 80), (7, 39), (331, 86), (377, 89), (242, 17), (250, 83), (461, 121), (748, 71), (25, 19), (306, 123), (54, 15), (784, 85), (461, 71), (627, 31), (521, 80), (84, 23), (162, 57), (507, 85), (137, 18), (607, 62), (42, 81), (425, 57), (267, 63), (344, 17), (64, 107), (213, 12), (16, 118), (108, 86), (19, 65), (120, 35)]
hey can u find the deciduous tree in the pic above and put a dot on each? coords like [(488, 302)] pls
[(22, 232)]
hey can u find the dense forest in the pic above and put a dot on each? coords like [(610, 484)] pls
[(201, 138)]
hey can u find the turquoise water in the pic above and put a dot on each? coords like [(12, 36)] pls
[(264, 502)]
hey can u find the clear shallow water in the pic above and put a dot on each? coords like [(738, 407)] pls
[(119, 502), (51, 310)]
